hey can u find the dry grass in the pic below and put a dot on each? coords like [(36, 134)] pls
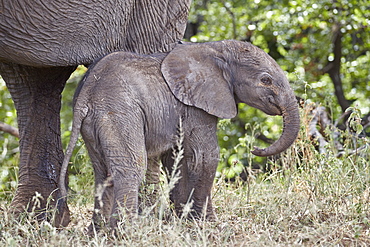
[(293, 207), (307, 199)]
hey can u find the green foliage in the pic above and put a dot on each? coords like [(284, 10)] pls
[(9, 151), (66, 113)]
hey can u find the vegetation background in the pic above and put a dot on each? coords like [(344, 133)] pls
[(316, 193)]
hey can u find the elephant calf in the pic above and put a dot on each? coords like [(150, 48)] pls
[(129, 107)]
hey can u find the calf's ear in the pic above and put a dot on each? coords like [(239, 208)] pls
[(197, 76)]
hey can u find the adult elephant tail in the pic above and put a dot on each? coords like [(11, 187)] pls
[(290, 132)]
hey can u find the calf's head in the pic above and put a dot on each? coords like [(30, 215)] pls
[(215, 76)]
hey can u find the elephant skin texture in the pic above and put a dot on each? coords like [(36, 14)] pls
[(41, 43), (129, 107)]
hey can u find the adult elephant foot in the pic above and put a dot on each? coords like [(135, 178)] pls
[(36, 93), (41, 202)]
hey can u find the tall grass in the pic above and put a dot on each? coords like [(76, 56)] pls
[(306, 198)]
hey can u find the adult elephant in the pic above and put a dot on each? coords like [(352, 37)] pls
[(41, 43)]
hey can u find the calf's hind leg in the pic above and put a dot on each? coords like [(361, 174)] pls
[(103, 190), (123, 146)]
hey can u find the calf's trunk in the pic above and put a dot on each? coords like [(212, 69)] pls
[(290, 132)]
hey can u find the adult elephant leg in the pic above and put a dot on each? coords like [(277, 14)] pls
[(36, 93)]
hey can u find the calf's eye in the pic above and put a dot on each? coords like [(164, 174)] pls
[(266, 80)]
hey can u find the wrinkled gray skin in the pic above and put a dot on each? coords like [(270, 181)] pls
[(42, 42), (129, 108)]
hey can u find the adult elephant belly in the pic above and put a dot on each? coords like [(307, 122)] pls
[(41, 43), (68, 33)]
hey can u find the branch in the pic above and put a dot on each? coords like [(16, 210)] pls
[(316, 129), (9, 129), (264, 138), (333, 68), (319, 118), (366, 121)]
